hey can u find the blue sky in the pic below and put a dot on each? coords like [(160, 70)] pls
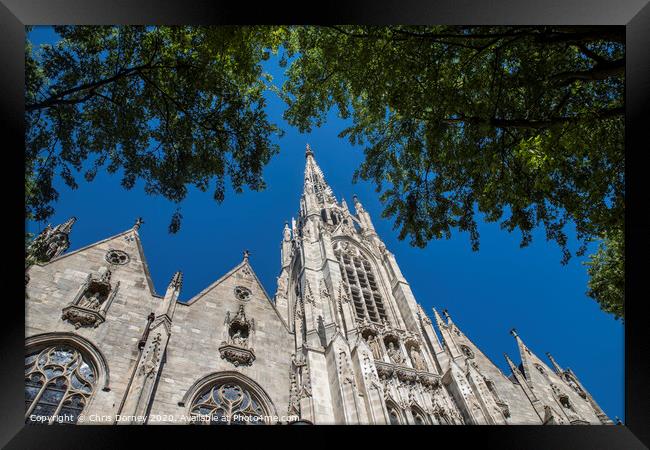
[(487, 292)]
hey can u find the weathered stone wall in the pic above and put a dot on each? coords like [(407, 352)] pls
[(53, 286), (198, 331)]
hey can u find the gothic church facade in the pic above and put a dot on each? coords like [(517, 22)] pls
[(342, 341)]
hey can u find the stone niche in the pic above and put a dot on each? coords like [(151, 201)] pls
[(393, 350), (238, 333), (88, 308)]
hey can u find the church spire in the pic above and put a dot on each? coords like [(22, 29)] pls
[(556, 366), (315, 185), (528, 358), (66, 227)]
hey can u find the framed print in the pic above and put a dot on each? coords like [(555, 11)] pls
[(368, 216)]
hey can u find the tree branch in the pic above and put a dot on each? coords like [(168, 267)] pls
[(600, 71), (533, 124)]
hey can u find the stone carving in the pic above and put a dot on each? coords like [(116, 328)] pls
[(50, 243), (467, 351), (294, 395), (80, 318), (347, 375), (286, 233), (237, 347), (347, 227), (417, 359), (407, 376), (551, 417), (309, 297), (239, 339), (88, 308), (571, 382), (300, 321), (246, 272), (117, 257), (375, 346), (324, 293), (152, 357), (242, 293), (282, 286), (90, 301), (384, 371), (368, 369), (395, 354), (237, 356), (429, 381)]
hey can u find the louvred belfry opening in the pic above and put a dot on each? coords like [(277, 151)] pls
[(360, 283)]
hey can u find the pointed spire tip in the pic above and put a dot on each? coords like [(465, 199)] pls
[(177, 280)]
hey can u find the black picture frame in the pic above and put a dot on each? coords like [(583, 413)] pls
[(633, 14)]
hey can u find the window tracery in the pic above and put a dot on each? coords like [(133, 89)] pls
[(418, 416), (242, 293), (393, 415), (227, 404), (59, 382), (117, 257), (360, 283), (467, 351)]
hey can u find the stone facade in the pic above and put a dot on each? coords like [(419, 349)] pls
[(342, 341)]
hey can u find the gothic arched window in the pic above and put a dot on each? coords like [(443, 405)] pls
[(418, 416), (360, 282), (467, 351), (59, 382), (393, 414), (227, 403)]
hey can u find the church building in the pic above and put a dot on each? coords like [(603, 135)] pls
[(343, 340)]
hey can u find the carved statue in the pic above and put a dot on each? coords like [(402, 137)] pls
[(90, 302), (282, 286), (394, 354), (375, 346), (52, 249), (347, 227), (418, 360), (324, 293), (287, 232), (104, 275), (239, 339)]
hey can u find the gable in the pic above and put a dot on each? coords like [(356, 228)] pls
[(228, 289), (91, 257)]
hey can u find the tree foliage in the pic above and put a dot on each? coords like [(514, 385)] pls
[(172, 106), (523, 125), (606, 270)]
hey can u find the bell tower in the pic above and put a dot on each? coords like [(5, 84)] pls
[(359, 334)]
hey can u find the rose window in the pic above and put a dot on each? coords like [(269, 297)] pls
[(242, 293), (117, 257)]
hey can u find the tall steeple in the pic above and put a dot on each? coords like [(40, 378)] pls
[(316, 191)]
